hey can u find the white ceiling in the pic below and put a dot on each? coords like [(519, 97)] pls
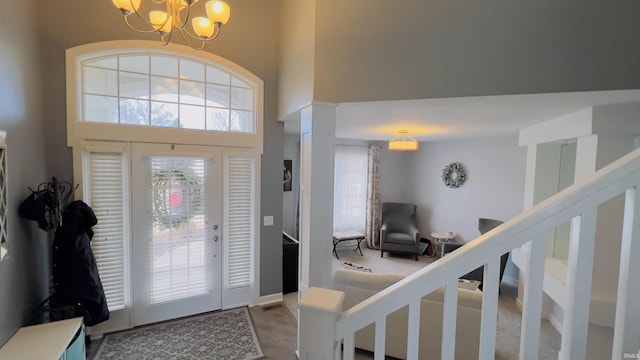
[(457, 118)]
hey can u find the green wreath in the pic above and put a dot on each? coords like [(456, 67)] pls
[(453, 175), (177, 196)]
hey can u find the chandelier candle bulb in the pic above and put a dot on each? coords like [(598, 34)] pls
[(203, 27), (127, 6), (160, 21), (218, 12)]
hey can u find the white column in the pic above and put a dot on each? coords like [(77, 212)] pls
[(317, 139), (318, 311)]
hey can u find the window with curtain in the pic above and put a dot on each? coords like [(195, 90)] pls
[(350, 188)]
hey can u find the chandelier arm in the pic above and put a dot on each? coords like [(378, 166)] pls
[(148, 21), (166, 38), (126, 21), (178, 23), (215, 34), (190, 42)]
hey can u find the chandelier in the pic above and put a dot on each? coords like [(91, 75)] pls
[(403, 142), (173, 16)]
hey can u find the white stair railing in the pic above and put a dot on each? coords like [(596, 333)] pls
[(321, 315)]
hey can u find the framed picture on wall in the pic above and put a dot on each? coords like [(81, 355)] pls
[(287, 176)]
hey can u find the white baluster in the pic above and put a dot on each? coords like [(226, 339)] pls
[(626, 338), (349, 348), (490, 290), (449, 313), (381, 337), (579, 270), (532, 303), (413, 330)]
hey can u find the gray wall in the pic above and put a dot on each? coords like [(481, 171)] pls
[(494, 187), (32, 68), (24, 274), (249, 39), (412, 49)]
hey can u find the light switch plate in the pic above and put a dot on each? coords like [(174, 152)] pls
[(268, 221)]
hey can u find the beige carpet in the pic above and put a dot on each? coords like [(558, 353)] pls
[(509, 316)]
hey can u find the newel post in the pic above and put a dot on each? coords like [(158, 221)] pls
[(318, 311)]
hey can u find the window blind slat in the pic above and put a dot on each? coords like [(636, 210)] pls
[(239, 220), (106, 194)]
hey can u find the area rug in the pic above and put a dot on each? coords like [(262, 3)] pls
[(225, 334)]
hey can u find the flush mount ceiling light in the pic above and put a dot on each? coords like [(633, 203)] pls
[(403, 142), (175, 17)]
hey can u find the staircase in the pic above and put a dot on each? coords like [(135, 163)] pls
[(327, 332)]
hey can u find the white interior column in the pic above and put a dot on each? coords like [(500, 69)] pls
[(317, 139)]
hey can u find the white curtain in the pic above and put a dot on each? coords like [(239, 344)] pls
[(374, 207), (350, 188)]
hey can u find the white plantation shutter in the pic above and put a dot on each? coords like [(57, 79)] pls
[(107, 199), (239, 220), (178, 250)]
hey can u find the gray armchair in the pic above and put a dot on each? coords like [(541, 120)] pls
[(399, 233)]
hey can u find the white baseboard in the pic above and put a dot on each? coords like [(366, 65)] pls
[(555, 322), (270, 299), (519, 303)]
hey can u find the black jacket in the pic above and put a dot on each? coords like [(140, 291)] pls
[(75, 273)]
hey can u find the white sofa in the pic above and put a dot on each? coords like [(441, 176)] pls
[(358, 286)]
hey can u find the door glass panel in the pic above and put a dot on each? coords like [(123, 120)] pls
[(178, 248)]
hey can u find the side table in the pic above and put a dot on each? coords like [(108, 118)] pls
[(439, 238)]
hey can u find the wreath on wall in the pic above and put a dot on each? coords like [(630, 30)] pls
[(453, 175), (177, 196)]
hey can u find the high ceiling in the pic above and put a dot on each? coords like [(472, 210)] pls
[(457, 118)]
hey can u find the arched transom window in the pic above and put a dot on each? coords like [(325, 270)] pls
[(162, 90)]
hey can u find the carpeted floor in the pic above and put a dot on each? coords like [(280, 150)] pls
[(219, 335)]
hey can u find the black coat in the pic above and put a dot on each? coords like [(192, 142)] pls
[(75, 273)]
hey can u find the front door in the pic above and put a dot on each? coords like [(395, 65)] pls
[(177, 197)]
